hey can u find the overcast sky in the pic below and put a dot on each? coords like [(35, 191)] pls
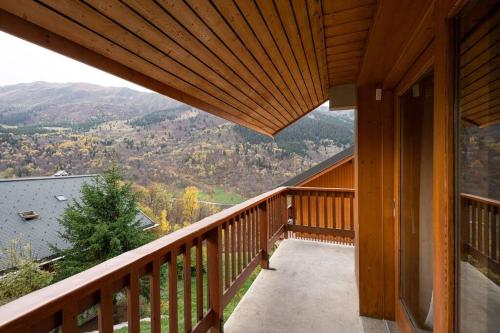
[(21, 62)]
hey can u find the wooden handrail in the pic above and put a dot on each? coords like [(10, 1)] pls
[(236, 239), (480, 199)]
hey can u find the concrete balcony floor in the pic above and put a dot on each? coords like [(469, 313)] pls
[(311, 287)]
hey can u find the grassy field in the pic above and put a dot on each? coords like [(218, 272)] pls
[(221, 196)]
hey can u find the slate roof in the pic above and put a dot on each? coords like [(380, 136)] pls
[(320, 167), (39, 195)]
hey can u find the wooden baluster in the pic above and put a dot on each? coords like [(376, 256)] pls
[(351, 211), (257, 224), (474, 224), (133, 303), (69, 318), (252, 233), (237, 223), (187, 288), (233, 249), (172, 293), (494, 233), (249, 231), (487, 229), (342, 211), (309, 209), (318, 223), (325, 210), (480, 234), (154, 282), (226, 254), (199, 279), (214, 277), (263, 219), (245, 239), (105, 314)]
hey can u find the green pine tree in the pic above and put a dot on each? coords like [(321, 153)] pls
[(102, 225)]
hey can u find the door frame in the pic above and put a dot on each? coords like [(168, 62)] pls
[(422, 64)]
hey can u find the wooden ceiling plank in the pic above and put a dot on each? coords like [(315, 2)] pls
[(348, 28), (340, 5), (231, 14), (302, 18), (351, 47), (350, 15), (273, 22), (288, 20), (143, 29), (345, 55), (165, 23), (353, 37), (60, 25), (250, 11), (23, 28), (336, 70), (317, 27), (344, 62), (210, 15), (105, 27), (186, 18)]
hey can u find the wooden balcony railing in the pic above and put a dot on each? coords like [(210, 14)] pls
[(324, 214), (480, 230), (225, 249)]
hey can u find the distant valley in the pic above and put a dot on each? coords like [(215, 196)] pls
[(81, 128)]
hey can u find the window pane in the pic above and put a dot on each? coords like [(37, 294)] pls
[(479, 167), (416, 202)]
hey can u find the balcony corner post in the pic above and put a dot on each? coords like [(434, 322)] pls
[(214, 263), (264, 234)]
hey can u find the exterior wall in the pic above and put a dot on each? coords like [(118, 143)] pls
[(339, 177)]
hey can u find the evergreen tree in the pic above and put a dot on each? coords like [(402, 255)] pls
[(102, 225)]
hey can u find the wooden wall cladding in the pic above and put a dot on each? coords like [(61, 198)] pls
[(374, 224), (341, 176)]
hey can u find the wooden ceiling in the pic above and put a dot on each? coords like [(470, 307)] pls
[(347, 24), (259, 63)]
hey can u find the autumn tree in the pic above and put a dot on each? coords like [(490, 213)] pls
[(191, 205), (164, 225)]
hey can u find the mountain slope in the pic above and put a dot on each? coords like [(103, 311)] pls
[(155, 139)]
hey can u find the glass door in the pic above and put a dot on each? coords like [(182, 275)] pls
[(416, 132)]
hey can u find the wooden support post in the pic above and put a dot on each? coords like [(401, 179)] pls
[(214, 259), (264, 235)]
